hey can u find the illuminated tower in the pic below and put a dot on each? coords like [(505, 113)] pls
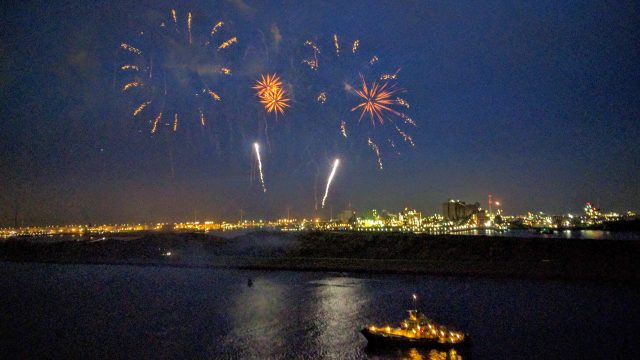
[(490, 204)]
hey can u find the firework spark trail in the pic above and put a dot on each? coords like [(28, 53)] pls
[(228, 43), (402, 102), (130, 85), (336, 44), (313, 45), (393, 76), (225, 71), (155, 123), (343, 128), (407, 119), (139, 109), (174, 16), (175, 122), (213, 95), (216, 27), (202, 120), (322, 97), (189, 27), (131, 49), (333, 172), (130, 67), (256, 146), (376, 150), (406, 137), (313, 64), (373, 60), (355, 46)]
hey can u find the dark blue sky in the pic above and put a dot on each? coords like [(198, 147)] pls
[(537, 103)]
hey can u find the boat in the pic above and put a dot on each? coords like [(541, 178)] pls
[(415, 331)]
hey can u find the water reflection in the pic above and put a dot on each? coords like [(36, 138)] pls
[(257, 317), (338, 303), (558, 234), (204, 313), (412, 353)]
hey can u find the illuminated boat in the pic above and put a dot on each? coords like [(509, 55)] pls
[(417, 330)]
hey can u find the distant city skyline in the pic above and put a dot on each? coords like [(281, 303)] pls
[(333, 213), (536, 103)]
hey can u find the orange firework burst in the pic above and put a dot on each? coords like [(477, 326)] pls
[(275, 101), (272, 95), (378, 99), (267, 83)]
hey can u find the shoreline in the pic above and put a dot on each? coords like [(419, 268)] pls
[(409, 254)]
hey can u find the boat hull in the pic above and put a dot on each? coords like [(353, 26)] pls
[(377, 339)]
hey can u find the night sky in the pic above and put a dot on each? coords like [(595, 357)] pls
[(536, 103)]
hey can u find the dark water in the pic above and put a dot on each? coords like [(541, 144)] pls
[(85, 311), (560, 234)]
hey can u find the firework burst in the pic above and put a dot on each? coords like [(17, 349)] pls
[(267, 84), (376, 101), (380, 103), (175, 66), (271, 94), (275, 101), (347, 78)]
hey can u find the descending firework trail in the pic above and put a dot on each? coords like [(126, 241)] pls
[(256, 146), (376, 150), (175, 66), (329, 180), (343, 128), (392, 76)]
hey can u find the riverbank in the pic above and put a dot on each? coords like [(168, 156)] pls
[(457, 255)]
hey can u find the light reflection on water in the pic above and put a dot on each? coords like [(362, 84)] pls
[(559, 234), (413, 354), (147, 312), (337, 312), (255, 319)]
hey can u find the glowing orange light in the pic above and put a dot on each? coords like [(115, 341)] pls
[(267, 83), (275, 101), (272, 95)]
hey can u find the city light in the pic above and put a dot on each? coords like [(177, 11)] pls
[(470, 219)]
